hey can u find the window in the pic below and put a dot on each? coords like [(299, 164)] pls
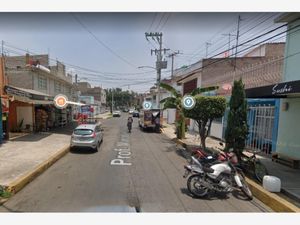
[(83, 132), (57, 87), (68, 90), (42, 82)]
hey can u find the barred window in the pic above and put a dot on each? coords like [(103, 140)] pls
[(57, 87), (42, 82)]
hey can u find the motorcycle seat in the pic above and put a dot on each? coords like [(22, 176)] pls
[(208, 169)]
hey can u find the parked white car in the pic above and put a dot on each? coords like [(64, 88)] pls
[(116, 113)]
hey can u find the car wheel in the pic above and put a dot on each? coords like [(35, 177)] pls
[(96, 148)]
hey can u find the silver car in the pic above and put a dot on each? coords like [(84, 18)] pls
[(87, 135)]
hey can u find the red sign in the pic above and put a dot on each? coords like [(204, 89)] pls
[(5, 104)]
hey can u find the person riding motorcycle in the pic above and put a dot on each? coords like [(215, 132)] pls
[(129, 123)]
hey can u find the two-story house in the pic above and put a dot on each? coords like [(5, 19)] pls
[(32, 85)]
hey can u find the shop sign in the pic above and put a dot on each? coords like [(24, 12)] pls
[(14, 91), (279, 89), (85, 109)]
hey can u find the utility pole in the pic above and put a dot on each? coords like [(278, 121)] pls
[(229, 41), (236, 46), (207, 44), (157, 36), (2, 85), (112, 100), (76, 78), (172, 56)]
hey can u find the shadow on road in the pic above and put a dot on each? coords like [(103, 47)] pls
[(32, 137), (83, 151), (239, 195), (210, 197), (217, 196)]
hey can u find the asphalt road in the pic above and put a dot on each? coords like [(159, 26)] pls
[(140, 170)]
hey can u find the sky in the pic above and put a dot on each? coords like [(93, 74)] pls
[(106, 49)]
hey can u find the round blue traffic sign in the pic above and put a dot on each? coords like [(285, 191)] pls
[(188, 102), (147, 105)]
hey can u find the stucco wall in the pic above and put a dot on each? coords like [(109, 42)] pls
[(288, 141), (292, 54)]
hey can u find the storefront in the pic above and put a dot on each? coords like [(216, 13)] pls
[(286, 120), (279, 90), (28, 109)]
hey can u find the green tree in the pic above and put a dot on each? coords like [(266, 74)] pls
[(175, 102), (237, 127), (207, 108), (121, 98)]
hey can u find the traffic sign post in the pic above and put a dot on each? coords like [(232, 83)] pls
[(188, 102)]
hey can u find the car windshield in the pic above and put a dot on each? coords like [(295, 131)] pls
[(83, 131)]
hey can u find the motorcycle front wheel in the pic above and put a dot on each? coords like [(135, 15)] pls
[(245, 188), (260, 171), (195, 186)]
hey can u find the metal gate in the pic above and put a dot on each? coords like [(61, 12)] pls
[(261, 127)]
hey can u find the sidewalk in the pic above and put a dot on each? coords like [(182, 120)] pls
[(22, 155), (290, 178), (24, 158)]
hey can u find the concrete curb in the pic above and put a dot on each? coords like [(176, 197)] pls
[(272, 200), (3, 200), (21, 182), (275, 202)]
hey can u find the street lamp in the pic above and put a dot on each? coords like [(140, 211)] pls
[(141, 67), (157, 83)]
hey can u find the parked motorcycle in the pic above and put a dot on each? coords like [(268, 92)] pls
[(222, 177), (250, 165)]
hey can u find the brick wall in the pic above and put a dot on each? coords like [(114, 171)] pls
[(21, 61), (275, 49), (22, 79), (255, 71)]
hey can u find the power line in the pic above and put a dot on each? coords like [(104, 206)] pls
[(162, 16), (222, 59), (74, 66), (101, 42), (169, 15), (256, 25), (149, 29), (210, 39), (243, 26)]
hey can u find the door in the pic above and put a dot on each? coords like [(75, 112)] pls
[(261, 127)]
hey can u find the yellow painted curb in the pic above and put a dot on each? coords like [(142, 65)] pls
[(3, 200), (18, 184), (272, 200)]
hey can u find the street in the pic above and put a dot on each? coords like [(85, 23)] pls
[(140, 169)]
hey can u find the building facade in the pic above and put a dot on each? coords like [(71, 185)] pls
[(98, 94), (288, 142), (261, 66), (32, 85)]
